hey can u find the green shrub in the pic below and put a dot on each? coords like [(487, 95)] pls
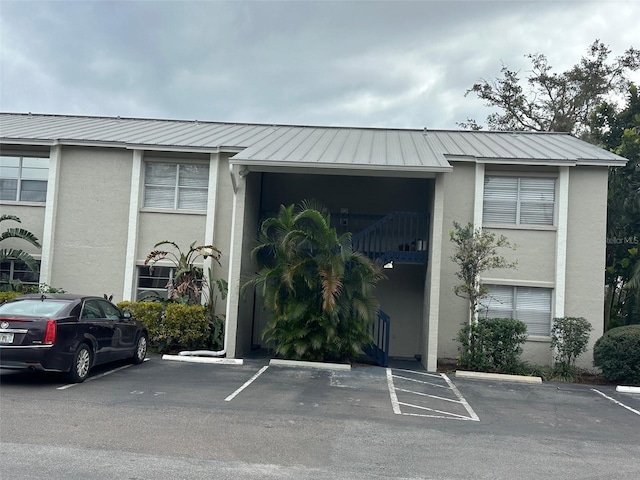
[(569, 337), (185, 327), (176, 326), (6, 296), (492, 344), (149, 313), (617, 353)]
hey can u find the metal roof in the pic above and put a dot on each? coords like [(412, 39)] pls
[(326, 147), (508, 147)]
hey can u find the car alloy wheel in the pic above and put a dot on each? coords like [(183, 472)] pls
[(141, 349), (81, 365)]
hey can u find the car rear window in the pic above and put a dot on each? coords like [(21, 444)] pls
[(34, 307)]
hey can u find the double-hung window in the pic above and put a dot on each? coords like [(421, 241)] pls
[(23, 179), (519, 200), (531, 305), (176, 186)]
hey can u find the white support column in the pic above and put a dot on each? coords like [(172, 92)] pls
[(478, 200), (561, 241), (129, 289), (50, 214), (212, 206), (235, 262), (435, 258)]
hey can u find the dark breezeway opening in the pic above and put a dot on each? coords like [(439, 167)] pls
[(389, 221)]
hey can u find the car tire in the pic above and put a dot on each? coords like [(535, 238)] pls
[(140, 351), (81, 365)]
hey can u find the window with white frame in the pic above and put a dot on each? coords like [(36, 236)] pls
[(531, 305), (519, 200), (176, 186), (23, 179), (15, 270)]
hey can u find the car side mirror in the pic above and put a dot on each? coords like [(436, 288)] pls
[(126, 314)]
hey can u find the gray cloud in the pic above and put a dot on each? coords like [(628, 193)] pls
[(394, 64)]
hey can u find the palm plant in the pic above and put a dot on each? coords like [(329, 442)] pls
[(187, 276), (318, 291), (16, 253)]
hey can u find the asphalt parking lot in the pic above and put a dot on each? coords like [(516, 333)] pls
[(365, 390), (309, 423)]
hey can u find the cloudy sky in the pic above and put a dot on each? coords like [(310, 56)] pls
[(381, 64)]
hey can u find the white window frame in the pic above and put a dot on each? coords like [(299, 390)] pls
[(21, 178), (516, 311), (519, 200), (176, 187)]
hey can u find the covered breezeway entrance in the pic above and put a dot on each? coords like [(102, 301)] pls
[(390, 220), (385, 187)]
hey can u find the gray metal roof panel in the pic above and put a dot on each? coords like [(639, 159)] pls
[(552, 147), (387, 148)]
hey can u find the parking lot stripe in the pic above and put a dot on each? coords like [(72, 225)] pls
[(426, 374), (465, 404), (428, 395), (246, 384), (420, 381), (392, 393), (69, 385), (617, 402), (447, 414)]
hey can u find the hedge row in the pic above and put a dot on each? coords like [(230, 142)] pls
[(175, 326)]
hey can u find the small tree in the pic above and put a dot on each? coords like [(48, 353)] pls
[(569, 338), (476, 251)]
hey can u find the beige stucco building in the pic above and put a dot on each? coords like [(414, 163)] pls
[(100, 192)]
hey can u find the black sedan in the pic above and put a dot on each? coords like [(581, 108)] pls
[(67, 333)]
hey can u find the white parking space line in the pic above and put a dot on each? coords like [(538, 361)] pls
[(428, 395), (464, 402), (458, 400), (392, 393), (424, 374), (246, 384), (448, 414), (420, 381), (617, 402), (69, 385)]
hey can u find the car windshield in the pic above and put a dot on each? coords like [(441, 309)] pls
[(34, 307)]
